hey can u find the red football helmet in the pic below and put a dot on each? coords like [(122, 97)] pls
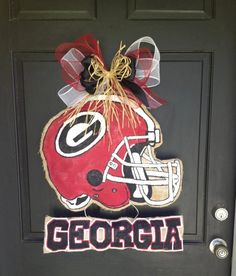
[(87, 162)]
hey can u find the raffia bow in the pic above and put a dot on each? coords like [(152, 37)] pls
[(128, 79), (108, 81)]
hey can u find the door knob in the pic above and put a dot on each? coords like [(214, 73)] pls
[(218, 247)]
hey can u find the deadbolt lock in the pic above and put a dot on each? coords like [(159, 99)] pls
[(221, 214)]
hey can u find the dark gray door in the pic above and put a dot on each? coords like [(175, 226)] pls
[(197, 43)]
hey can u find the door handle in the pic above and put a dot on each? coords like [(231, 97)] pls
[(219, 248)]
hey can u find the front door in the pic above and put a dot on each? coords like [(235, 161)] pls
[(197, 44)]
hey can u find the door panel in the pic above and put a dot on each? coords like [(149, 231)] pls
[(32, 92), (197, 44), (198, 9)]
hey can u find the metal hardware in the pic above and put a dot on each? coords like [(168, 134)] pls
[(218, 247), (221, 214)]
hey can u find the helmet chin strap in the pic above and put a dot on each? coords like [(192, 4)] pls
[(76, 203)]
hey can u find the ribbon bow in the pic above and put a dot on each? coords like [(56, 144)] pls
[(130, 75)]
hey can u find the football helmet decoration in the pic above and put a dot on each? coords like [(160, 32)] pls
[(101, 149)]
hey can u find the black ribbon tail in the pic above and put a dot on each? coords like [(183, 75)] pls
[(136, 90), (85, 76)]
